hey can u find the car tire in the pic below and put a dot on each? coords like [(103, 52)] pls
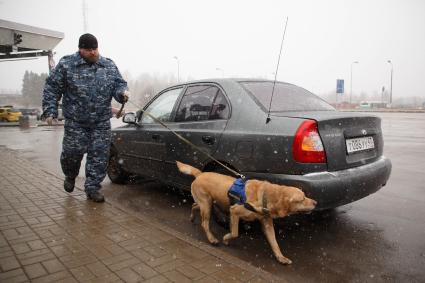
[(115, 171), (220, 216)]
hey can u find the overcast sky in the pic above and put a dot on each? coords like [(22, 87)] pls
[(242, 39)]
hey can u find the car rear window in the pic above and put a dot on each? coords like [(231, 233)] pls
[(287, 97)]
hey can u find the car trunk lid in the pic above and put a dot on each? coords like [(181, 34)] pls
[(350, 139)]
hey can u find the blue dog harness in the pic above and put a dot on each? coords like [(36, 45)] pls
[(237, 195)]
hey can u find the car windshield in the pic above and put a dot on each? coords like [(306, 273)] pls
[(286, 97)]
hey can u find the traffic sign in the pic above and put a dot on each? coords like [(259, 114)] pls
[(339, 86)]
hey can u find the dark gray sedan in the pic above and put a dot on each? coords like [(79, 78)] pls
[(334, 157)]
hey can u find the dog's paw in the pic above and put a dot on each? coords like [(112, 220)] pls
[(283, 260), (226, 239), (214, 242)]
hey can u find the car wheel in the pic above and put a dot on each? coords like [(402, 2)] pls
[(219, 215), (115, 171), (222, 217)]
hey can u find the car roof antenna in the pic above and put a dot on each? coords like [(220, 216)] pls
[(275, 74)]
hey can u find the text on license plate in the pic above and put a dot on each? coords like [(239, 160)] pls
[(359, 144)]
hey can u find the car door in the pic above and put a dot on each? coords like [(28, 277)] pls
[(201, 118), (145, 148)]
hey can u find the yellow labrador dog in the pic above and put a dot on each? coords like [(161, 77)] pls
[(265, 201)]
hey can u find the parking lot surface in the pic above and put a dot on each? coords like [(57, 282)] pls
[(378, 238)]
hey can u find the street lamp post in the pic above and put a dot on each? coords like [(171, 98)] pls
[(178, 68), (391, 83), (222, 72), (351, 79)]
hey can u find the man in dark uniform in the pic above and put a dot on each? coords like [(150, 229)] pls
[(86, 82)]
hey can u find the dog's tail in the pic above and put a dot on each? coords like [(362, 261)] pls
[(188, 170)]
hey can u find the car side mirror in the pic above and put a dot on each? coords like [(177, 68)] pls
[(129, 118)]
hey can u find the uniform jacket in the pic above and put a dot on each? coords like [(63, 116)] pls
[(86, 89)]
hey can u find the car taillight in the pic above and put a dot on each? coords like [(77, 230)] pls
[(308, 147)]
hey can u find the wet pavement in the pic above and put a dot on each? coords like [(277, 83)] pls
[(48, 235), (379, 238)]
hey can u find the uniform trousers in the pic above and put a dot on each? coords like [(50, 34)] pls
[(91, 139)]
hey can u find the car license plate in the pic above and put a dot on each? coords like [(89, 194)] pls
[(359, 144)]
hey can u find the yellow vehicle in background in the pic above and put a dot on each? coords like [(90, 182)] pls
[(9, 114)]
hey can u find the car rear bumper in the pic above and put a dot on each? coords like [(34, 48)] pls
[(332, 189)]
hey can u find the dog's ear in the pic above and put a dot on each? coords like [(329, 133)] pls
[(296, 197)]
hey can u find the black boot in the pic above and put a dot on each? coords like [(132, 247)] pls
[(69, 184), (96, 196)]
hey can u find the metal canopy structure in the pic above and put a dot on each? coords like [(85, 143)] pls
[(19, 41)]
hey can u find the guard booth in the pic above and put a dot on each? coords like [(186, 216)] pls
[(23, 42), (20, 42)]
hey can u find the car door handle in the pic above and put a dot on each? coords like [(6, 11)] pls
[(156, 136), (208, 139)]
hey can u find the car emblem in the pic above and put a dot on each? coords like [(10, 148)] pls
[(364, 132)]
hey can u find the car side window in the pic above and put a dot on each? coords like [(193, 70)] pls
[(202, 102), (220, 108), (162, 107)]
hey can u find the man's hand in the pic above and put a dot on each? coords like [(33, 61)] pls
[(50, 121), (126, 96), (115, 112)]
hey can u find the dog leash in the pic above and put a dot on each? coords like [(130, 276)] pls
[(119, 113), (187, 141)]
